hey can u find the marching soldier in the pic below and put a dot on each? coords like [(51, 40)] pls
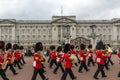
[(2, 73), (119, 60), (74, 53), (52, 56), (16, 54), (109, 56), (37, 62), (59, 60), (83, 55), (21, 55), (67, 63), (90, 56), (100, 60), (10, 58)]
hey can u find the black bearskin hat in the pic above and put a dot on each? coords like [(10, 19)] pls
[(90, 46), (59, 48), (67, 47), (100, 45), (82, 46), (109, 45), (38, 47), (15, 46), (2, 44), (72, 46), (8, 46), (52, 47), (21, 47)]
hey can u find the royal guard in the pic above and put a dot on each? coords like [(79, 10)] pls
[(119, 60), (2, 62), (77, 51), (100, 60), (74, 53), (37, 62), (22, 55), (10, 58), (67, 63), (90, 55), (106, 52), (109, 56), (59, 59), (83, 55), (52, 56), (16, 54)]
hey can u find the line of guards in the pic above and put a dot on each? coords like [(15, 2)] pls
[(9, 58), (67, 55), (70, 56)]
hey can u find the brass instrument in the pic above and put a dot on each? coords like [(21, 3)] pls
[(42, 58), (4, 64), (12, 59), (108, 49)]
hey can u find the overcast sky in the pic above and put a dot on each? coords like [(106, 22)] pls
[(45, 9)]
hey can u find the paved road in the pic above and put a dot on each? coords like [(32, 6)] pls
[(27, 71)]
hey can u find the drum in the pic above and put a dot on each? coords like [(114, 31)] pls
[(75, 60)]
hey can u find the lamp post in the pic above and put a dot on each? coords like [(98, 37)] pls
[(18, 40), (68, 33)]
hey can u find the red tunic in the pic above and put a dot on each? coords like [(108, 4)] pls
[(9, 57), (16, 55), (118, 54), (74, 52), (100, 57), (1, 61), (37, 62), (59, 57), (82, 56), (67, 60), (90, 53), (52, 55)]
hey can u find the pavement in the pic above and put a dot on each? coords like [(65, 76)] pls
[(27, 72)]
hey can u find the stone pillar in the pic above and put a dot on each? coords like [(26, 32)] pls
[(13, 33), (55, 34), (114, 32), (73, 32)]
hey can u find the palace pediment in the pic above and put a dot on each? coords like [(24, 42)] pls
[(7, 21), (64, 20)]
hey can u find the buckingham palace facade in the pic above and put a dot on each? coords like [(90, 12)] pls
[(59, 30)]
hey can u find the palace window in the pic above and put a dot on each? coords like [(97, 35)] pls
[(109, 37), (109, 30), (82, 30), (117, 37), (72, 28)]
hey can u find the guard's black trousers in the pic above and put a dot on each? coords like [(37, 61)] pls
[(83, 64), (109, 61), (58, 65), (52, 62), (11, 68), (67, 70), (3, 75), (17, 62), (90, 60), (36, 71), (119, 74), (99, 69), (23, 61)]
